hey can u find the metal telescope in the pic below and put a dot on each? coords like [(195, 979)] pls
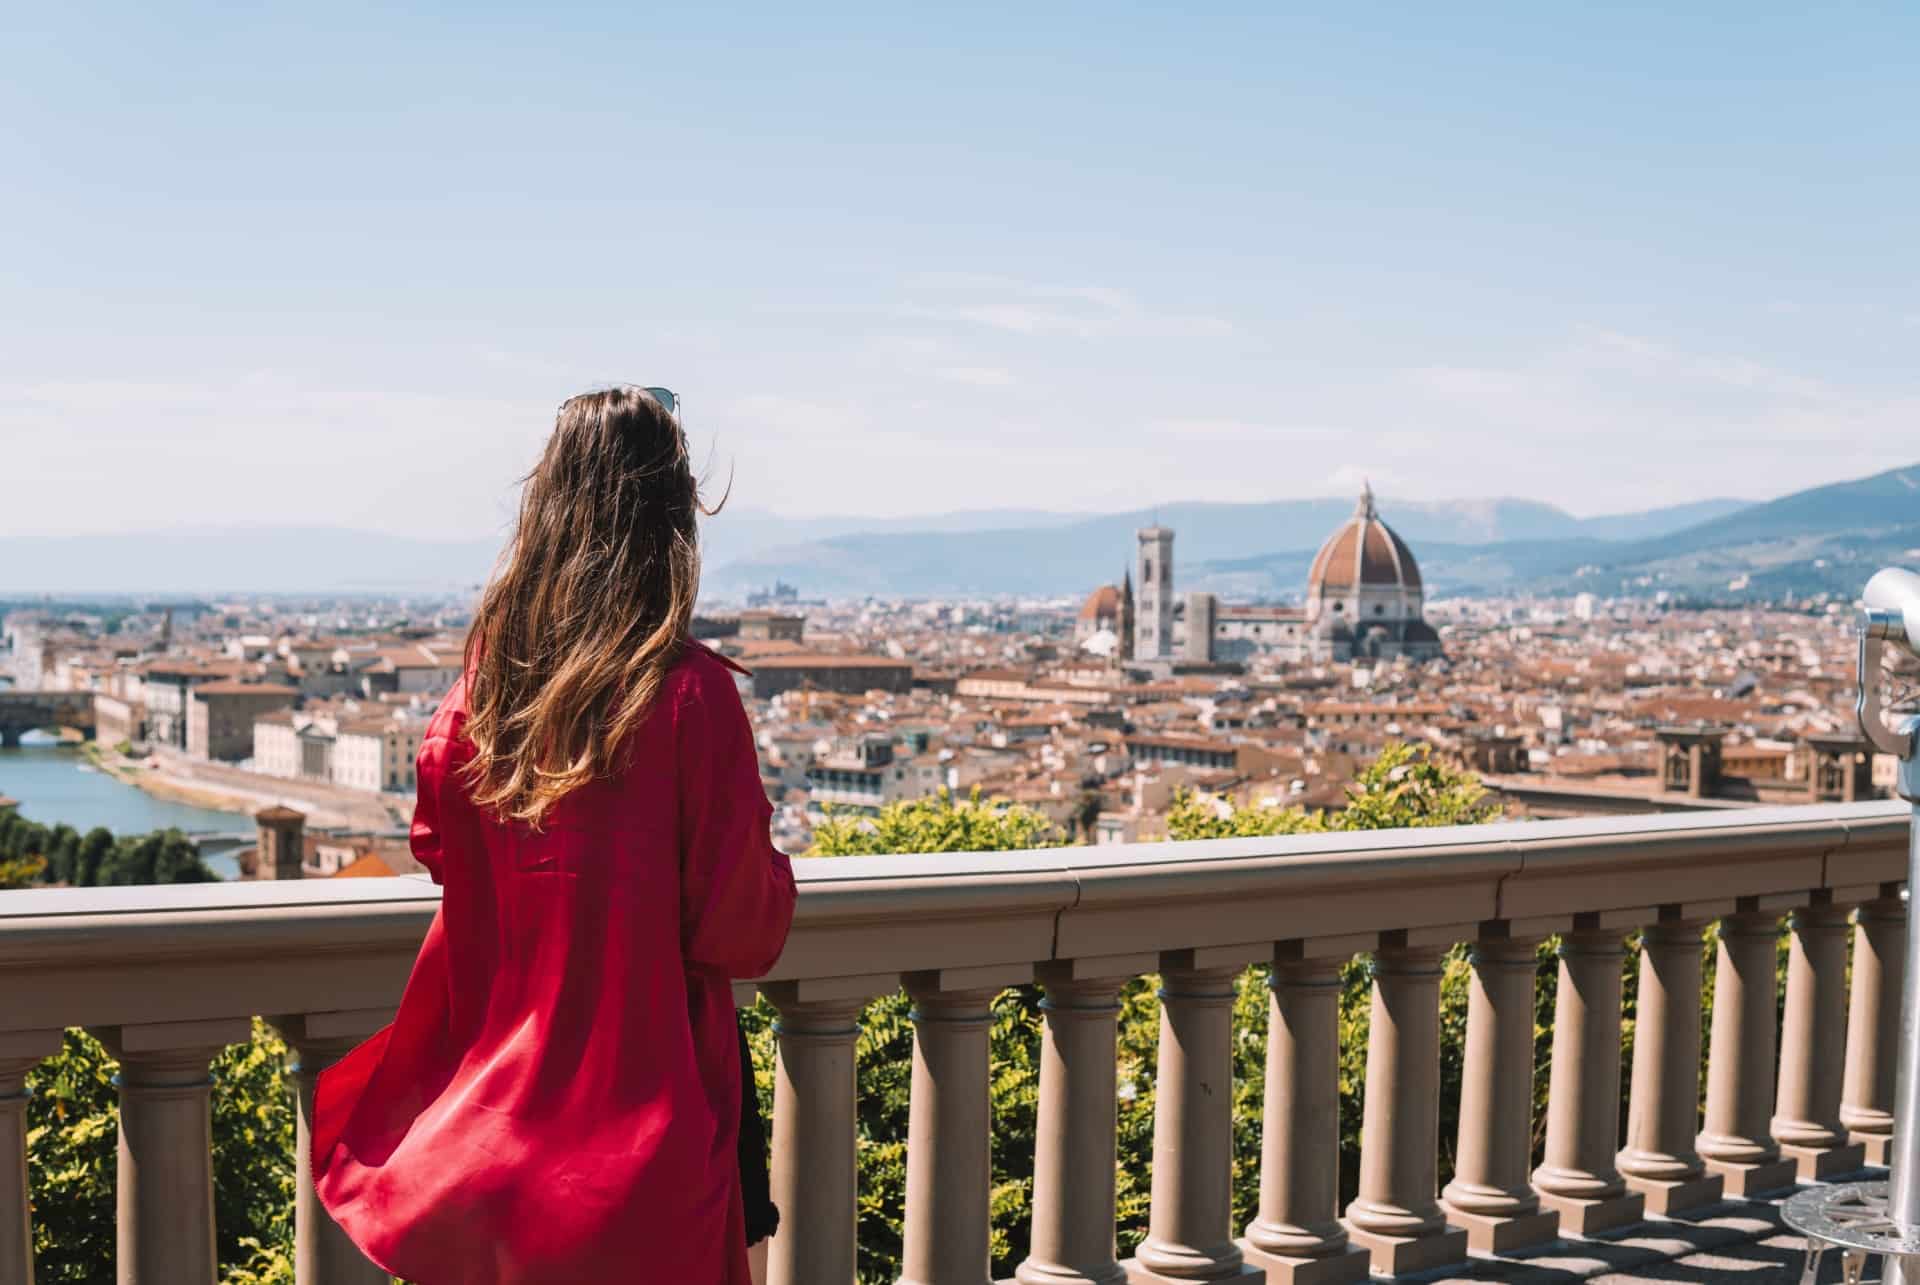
[(1867, 1219), (1890, 616)]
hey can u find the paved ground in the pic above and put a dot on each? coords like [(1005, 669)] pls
[(1740, 1242)]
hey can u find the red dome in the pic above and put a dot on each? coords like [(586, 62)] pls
[(1364, 551), (1102, 604)]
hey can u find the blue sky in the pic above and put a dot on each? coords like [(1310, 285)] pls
[(333, 264)]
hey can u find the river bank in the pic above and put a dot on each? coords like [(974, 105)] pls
[(221, 787), (60, 784)]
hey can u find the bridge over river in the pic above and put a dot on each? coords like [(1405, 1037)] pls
[(23, 712)]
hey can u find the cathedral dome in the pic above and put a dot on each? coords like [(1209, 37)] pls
[(1363, 552), (1102, 604)]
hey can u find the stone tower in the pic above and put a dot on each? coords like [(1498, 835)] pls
[(282, 843), (1153, 630)]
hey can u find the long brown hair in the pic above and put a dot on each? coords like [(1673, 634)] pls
[(591, 607)]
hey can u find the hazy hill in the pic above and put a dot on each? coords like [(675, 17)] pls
[(207, 560), (984, 551), (1883, 501), (1069, 556), (1825, 538)]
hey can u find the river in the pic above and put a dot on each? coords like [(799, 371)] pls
[(55, 783)]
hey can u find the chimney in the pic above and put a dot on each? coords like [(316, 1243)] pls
[(282, 842)]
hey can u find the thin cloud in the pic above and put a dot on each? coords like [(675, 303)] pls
[(980, 376), (1035, 309)]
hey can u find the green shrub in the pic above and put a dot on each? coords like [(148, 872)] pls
[(73, 1119)]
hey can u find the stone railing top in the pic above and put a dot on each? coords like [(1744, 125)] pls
[(874, 917)]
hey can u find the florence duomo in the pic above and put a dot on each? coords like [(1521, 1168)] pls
[(1363, 601)]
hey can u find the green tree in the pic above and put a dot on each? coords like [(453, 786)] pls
[(21, 872), (73, 1118), (95, 849)]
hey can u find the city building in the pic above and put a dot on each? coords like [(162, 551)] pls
[(220, 716), (829, 672), (763, 625), (1364, 602)]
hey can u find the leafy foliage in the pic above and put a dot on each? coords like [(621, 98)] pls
[(73, 1120), (31, 852), (935, 824), (73, 1117)]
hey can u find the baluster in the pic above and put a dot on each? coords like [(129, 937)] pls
[(1813, 1042), (949, 1165), (1073, 1161), (1578, 1179), (1297, 1236), (20, 1052), (1873, 1022), (164, 1215), (1735, 1137), (1396, 1214), (322, 1253), (1489, 1197), (814, 1179), (1190, 1226), (1663, 1117)]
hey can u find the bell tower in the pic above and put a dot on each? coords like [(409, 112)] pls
[(1153, 626)]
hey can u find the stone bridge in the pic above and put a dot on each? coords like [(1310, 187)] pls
[(27, 711)]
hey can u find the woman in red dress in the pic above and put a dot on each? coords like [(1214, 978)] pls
[(558, 1099)]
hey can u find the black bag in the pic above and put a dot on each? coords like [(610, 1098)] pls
[(762, 1218)]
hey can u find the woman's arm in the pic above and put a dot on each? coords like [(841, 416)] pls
[(736, 888)]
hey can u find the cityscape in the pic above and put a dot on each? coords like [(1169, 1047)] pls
[(897, 645), (1097, 712)]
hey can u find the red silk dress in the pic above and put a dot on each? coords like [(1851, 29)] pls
[(558, 1097)]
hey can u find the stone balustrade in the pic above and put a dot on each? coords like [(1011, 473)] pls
[(167, 976)]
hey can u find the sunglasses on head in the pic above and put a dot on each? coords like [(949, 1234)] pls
[(666, 397)]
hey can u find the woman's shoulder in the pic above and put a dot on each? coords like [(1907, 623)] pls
[(701, 672)]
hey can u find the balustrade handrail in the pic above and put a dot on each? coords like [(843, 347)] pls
[(169, 975), (895, 914)]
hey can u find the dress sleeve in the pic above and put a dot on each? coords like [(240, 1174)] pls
[(736, 888), (431, 770)]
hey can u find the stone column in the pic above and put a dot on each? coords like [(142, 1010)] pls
[(1663, 1117), (1735, 1138), (164, 1214), (1813, 1044), (1489, 1197), (949, 1172), (1396, 1215), (1297, 1236), (19, 1053), (1873, 1022), (1073, 1174), (322, 1253), (1190, 1225), (1578, 1180), (814, 1179)]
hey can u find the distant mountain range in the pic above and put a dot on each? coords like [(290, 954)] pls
[(1212, 543), (1828, 539)]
